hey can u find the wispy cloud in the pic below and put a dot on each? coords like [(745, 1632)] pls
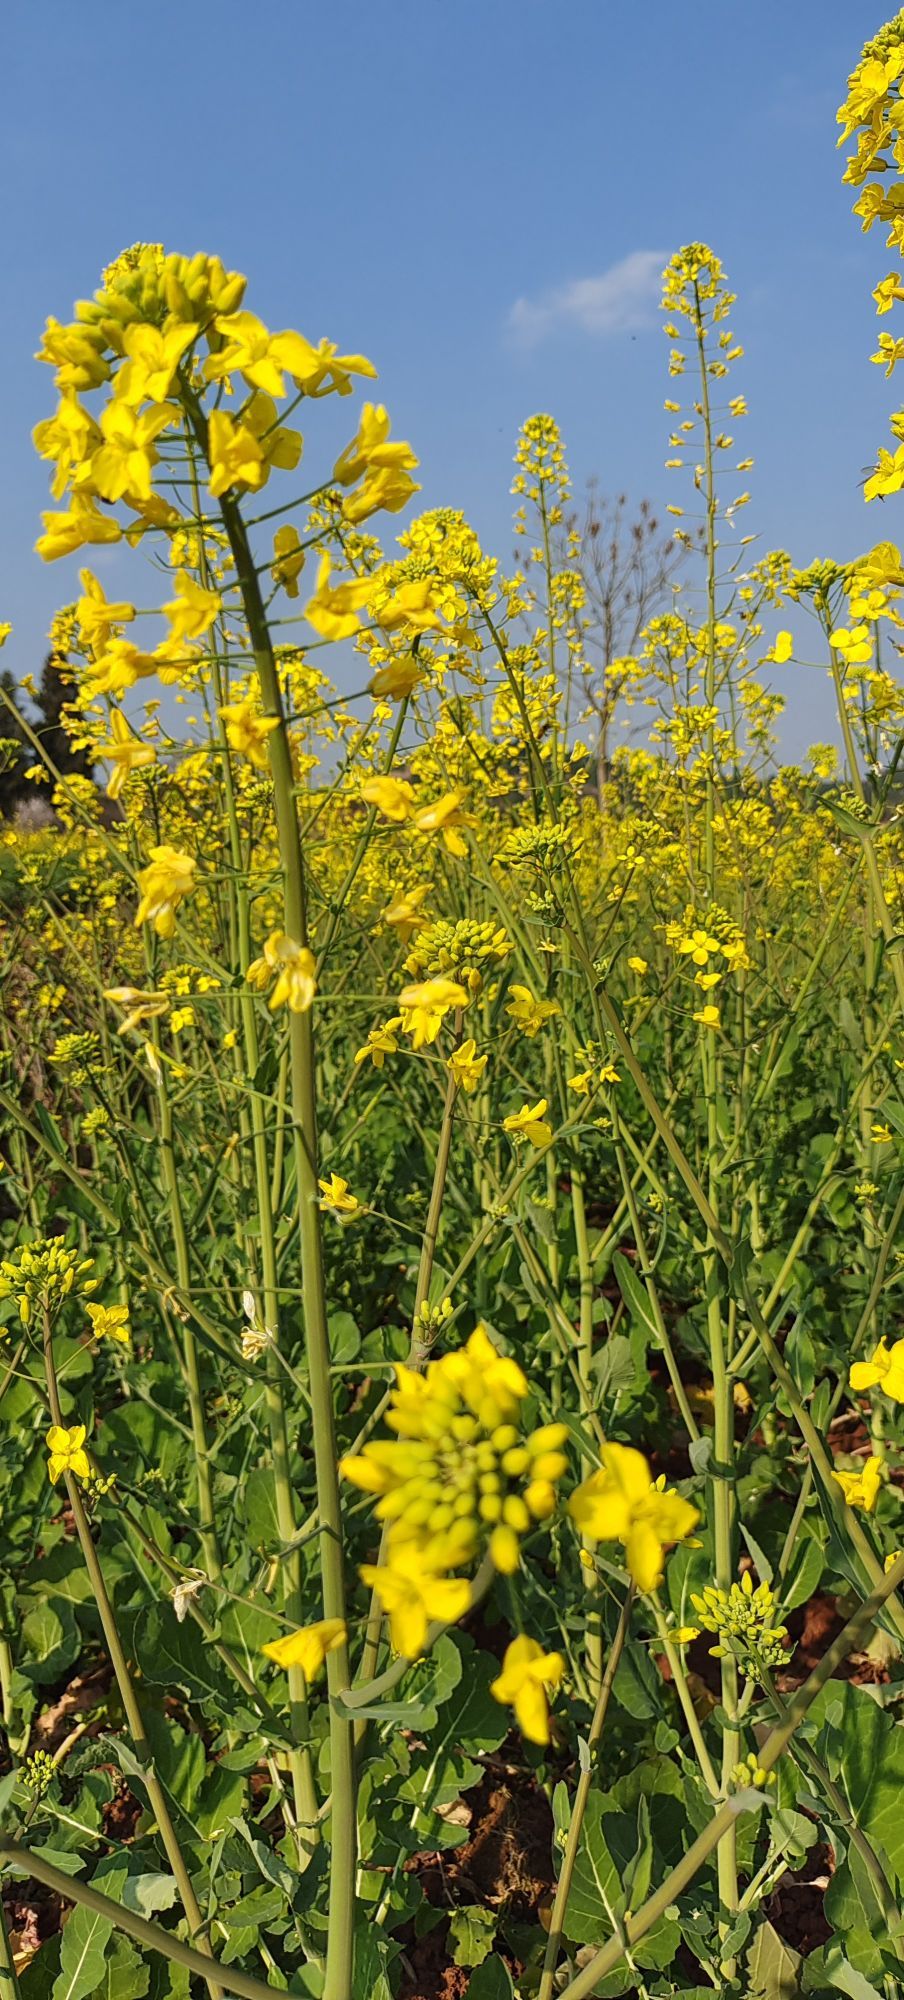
[(614, 302)]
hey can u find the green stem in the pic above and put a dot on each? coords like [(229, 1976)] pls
[(343, 1845)]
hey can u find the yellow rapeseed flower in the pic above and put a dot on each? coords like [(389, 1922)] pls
[(289, 559), (530, 1123), (698, 946), (97, 618), (193, 609), (293, 967), (169, 876), (236, 457), (413, 1596), (527, 1013), (125, 751), (393, 797), (308, 1647), (526, 1674), (110, 1322), (884, 1370), (861, 1489), (381, 1042), (459, 1472), (424, 1007), (466, 1066), (333, 609), (247, 731), (336, 1199), (67, 1452), (623, 1503)]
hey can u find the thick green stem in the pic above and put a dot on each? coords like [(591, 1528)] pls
[(343, 1844)]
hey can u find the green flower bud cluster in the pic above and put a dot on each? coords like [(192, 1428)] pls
[(42, 1274), (462, 950), (750, 1772), (744, 1620), (38, 1774), (545, 844), (77, 1056)]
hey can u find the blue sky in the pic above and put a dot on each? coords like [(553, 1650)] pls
[(400, 176)]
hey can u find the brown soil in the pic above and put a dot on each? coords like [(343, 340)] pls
[(795, 1908), (505, 1865)]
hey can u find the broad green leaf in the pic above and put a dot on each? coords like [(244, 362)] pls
[(178, 1656), (85, 1940), (829, 1967), (596, 1897), (491, 1980), (149, 1893), (614, 1368), (471, 1933), (773, 1966), (345, 1340), (866, 1747), (806, 1575), (126, 1975), (51, 1640), (373, 1954)]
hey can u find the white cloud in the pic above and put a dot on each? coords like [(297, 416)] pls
[(614, 302)]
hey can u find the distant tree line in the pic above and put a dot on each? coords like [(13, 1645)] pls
[(17, 752)]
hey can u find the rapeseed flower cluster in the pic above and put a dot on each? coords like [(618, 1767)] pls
[(462, 1476), (41, 1276), (744, 1620)]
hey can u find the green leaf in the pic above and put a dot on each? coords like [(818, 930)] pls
[(149, 1893), (470, 1721), (471, 1930), (491, 1980), (126, 1976), (85, 1940), (829, 1966), (372, 1957), (257, 1506), (613, 1367), (596, 1892), (851, 1906), (37, 1977), (773, 1966), (636, 1297), (51, 1640), (175, 1655), (345, 1340), (168, 1980), (866, 1748), (758, 1555), (271, 1866), (806, 1575)]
